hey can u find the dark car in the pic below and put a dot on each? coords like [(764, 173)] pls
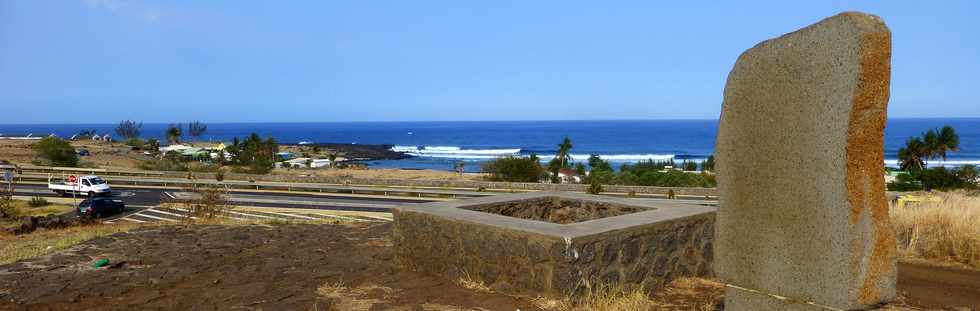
[(98, 207)]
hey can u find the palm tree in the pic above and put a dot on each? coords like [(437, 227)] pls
[(930, 140), (911, 156), (947, 140), (563, 155), (332, 157)]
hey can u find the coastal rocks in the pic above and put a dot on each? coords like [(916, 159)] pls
[(810, 223), (366, 152)]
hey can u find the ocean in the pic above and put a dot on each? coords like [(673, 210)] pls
[(437, 145)]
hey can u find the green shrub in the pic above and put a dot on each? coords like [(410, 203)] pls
[(940, 178), (515, 169), (37, 202), (669, 178), (57, 151), (594, 188), (136, 143), (689, 165), (904, 182), (936, 178), (168, 163)]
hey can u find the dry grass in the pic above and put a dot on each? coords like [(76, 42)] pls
[(681, 294), (42, 242), (473, 284), (340, 297), (103, 155), (947, 231)]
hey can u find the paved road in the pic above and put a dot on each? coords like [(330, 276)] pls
[(142, 203), (155, 196)]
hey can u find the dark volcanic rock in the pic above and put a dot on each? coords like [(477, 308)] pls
[(365, 151)]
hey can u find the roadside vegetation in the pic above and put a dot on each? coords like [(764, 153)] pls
[(11, 210), (205, 204), (944, 231), (34, 207)]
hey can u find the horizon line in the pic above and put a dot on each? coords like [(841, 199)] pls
[(447, 121)]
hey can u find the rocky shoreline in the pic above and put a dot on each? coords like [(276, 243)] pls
[(363, 152)]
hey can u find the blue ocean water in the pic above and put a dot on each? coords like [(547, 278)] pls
[(437, 145)]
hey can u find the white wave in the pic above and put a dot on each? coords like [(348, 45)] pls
[(935, 163), (454, 152), (615, 157), (625, 157)]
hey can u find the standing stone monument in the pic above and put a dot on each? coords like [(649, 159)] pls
[(802, 222)]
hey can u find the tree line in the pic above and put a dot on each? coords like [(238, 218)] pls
[(252, 154), (596, 171), (932, 145)]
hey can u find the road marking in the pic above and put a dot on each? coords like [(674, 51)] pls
[(290, 215), (153, 217), (250, 215), (343, 217), (375, 217), (188, 211), (133, 220), (169, 213)]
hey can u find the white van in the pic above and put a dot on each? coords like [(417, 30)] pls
[(90, 185)]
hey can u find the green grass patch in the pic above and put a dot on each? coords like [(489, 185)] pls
[(43, 242), (24, 208)]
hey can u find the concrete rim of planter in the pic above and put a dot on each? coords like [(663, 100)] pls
[(650, 212)]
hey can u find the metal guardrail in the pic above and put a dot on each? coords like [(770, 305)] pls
[(244, 185), (93, 171)]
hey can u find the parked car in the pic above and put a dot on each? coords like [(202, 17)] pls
[(99, 207), (83, 152)]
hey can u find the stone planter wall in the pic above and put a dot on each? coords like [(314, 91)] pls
[(529, 257)]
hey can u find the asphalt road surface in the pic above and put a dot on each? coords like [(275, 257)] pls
[(135, 196)]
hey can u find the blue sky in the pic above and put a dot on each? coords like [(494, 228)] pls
[(99, 61)]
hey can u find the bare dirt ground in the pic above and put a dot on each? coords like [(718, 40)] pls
[(927, 284), (235, 267), (118, 156), (316, 267), (103, 154), (379, 173)]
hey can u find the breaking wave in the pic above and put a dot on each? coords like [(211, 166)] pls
[(452, 152)]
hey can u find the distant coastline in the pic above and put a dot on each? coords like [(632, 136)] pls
[(439, 145)]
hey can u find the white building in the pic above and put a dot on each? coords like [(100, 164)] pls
[(311, 163)]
